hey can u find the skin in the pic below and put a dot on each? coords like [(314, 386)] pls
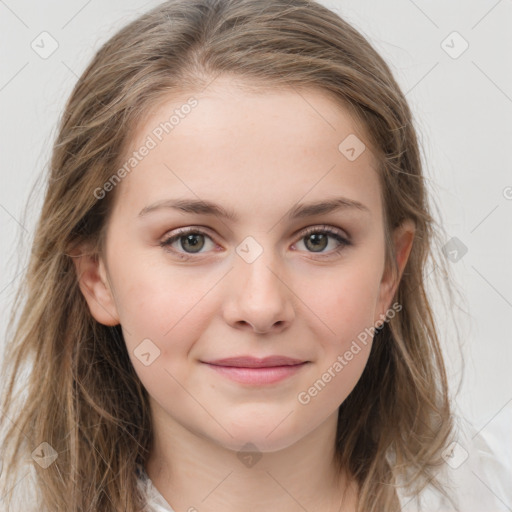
[(258, 154)]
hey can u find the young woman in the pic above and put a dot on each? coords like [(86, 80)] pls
[(225, 307)]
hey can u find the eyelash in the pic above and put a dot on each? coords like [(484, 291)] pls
[(167, 242)]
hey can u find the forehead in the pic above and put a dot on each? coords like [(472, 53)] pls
[(254, 149)]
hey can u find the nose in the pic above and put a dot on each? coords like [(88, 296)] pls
[(258, 297)]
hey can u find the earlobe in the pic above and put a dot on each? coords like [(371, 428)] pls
[(92, 279), (403, 238)]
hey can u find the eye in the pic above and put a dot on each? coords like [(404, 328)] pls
[(316, 240), (189, 240)]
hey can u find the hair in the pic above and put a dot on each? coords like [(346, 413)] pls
[(393, 426)]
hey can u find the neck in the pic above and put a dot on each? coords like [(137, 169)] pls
[(195, 473)]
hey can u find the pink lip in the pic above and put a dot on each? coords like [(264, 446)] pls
[(254, 371), (254, 362)]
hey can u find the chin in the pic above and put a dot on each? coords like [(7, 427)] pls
[(260, 438)]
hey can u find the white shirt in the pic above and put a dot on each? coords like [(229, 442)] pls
[(477, 474)]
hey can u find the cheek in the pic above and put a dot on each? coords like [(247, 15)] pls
[(169, 307), (347, 308), (347, 300), (162, 319), (345, 304)]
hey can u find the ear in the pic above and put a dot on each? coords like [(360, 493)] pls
[(402, 238), (95, 287)]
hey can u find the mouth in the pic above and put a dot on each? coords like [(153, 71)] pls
[(257, 372)]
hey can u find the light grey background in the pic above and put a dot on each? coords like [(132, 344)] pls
[(462, 104)]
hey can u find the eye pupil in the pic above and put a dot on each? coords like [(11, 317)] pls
[(319, 241), (192, 240)]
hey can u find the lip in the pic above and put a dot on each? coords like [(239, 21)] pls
[(255, 362), (257, 371)]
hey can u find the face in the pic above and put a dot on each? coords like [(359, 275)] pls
[(254, 270)]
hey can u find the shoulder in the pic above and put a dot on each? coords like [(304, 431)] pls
[(155, 502), (477, 473)]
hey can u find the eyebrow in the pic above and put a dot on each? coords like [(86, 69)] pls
[(299, 211)]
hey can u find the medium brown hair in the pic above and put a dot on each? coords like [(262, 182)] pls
[(395, 423)]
